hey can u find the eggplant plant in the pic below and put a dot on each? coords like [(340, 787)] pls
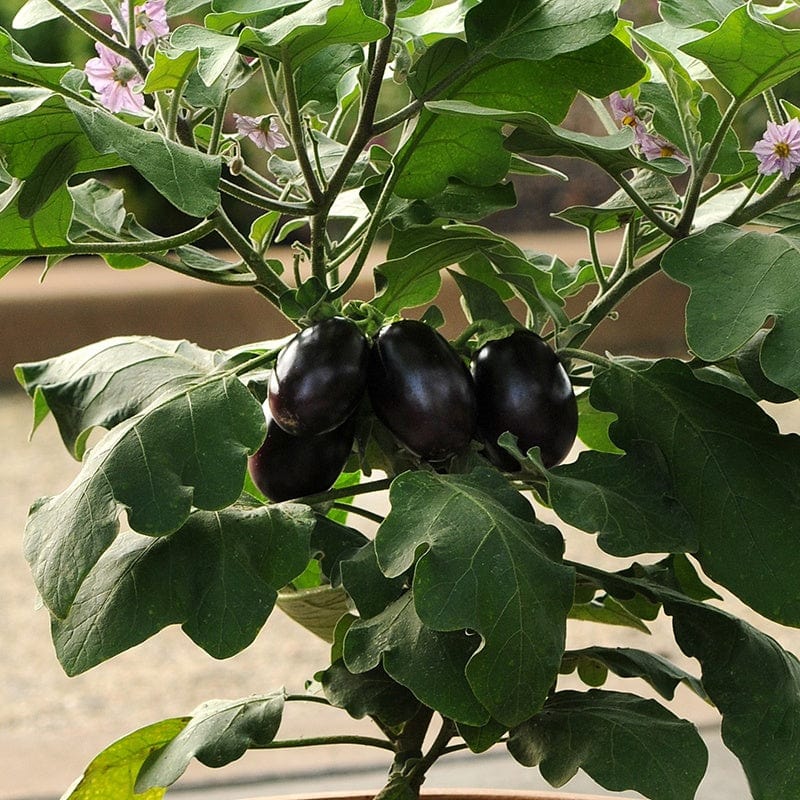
[(342, 123)]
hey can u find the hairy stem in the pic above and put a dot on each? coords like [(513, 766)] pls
[(267, 203), (90, 29), (695, 189), (361, 512), (313, 741), (131, 246), (347, 491)]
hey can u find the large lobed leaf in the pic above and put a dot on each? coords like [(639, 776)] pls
[(747, 53), (755, 684), (218, 577), (188, 448), (739, 280), (488, 566), (109, 381), (469, 148), (732, 471), (620, 740)]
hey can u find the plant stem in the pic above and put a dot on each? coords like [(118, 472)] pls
[(777, 194), (361, 512), (267, 203), (91, 30), (596, 263), (365, 129), (375, 222), (216, 129), (296, 133), (132, 246), (585, 355), (773, 107), (695, 189), (131, 24), (603, 305), (347, 491), (266, 277), (644, 207), (436, 751), (313, 741)]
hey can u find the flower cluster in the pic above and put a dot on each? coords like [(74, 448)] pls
[(115, 79), (652, 145)]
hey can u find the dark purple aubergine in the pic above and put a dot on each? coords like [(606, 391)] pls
[(523, 388), (319, 377), (288, 466), (421, 390)]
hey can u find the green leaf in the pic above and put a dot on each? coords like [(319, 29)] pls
[(619, 209), (706, 14), (318, 24), (607, 611), (593, 426), (482, 302), (469, 147), (169, 71), (686, 92), (755, 684), (213, 50), (734, 473), (739, 280), (479, 739), (538, 31), (112, 774), (747, 53), (188, 178), (620, 740), (318, 608), (431, 664), (488, 566), (628, 500), (47, 226), (109, 381), (628, 662), (219, 731), (218, 577), (16, 63), (668, 122), (372, 693), (34, 12), (411, 275), (536, 136), (187, 448), (327, 77)]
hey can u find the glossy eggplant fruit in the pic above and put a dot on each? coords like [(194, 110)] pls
[(288, 466), (319, 377), (421, 390), (523, 388)]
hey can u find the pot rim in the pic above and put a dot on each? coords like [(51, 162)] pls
[(442, 794)]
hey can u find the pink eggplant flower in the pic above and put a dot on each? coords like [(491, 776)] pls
[(779, 150), (150, 19), (115, 78), (623, 110), (654, 146), (261, 130)]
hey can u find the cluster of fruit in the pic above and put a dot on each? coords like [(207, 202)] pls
[(419, 388)]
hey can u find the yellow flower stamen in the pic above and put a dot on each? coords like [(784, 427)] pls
[(782, 150)]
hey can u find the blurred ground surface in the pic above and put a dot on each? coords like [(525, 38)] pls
[(51, 726)]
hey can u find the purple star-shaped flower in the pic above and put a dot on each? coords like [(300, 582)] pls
[(779, 150), (262, 130), (150, 19), (114, 78)]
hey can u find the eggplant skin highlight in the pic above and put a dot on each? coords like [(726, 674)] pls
[(522, 387), (421, 390)]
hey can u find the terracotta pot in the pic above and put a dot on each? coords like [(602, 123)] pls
[(447, 794)]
